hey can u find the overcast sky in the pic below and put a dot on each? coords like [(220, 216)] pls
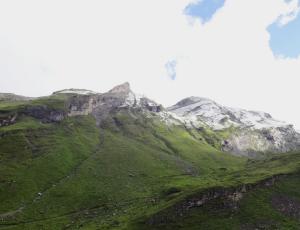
[(166, 50)]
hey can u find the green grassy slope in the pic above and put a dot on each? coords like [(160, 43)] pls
[(276, 207), (71, 174)]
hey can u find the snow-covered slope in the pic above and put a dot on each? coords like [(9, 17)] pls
[(75, 91), (199, 111), (253, 131)]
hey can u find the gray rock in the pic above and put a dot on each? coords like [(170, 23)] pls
[(102, 105)]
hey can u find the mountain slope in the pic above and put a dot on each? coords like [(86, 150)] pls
[(12, 97), (266, 206), (58, 168), (108, 160), (253, 132)]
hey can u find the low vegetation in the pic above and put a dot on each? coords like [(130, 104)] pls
[(72, 174)]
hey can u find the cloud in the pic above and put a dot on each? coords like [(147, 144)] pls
[(290, 13), (171, 69), (50, 45), (284, 32)]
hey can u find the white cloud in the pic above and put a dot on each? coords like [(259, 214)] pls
[(171, 69), (50, 45), (290, 12)]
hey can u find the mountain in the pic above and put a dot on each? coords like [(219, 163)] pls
[(102, 105), (237, 131), (248, 132), (79, 159), (13, 97), (220, 117)]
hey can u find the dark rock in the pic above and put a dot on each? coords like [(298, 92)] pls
[(45, 114), (8, 120), (230, 199), (288, 206)]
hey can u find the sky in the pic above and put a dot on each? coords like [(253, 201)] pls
[(285, 38), (239, 53), (204, 10)]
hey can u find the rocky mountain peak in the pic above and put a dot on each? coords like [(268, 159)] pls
[(123, 88), (102, 105), (254, 131), (203, 110)]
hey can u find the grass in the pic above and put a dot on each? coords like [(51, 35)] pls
[(72, 174), (255, 211), (33, 159)]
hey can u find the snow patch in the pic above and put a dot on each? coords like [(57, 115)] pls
[(76, 91), (198, 111)]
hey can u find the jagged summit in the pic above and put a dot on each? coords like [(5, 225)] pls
[(127, 98), (102, 105)]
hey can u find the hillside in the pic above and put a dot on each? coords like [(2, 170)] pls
[(117, 160)]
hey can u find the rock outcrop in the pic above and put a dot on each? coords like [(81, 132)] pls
[(44, 113), (230, 198), (101, 105), (81, 102), (8, 120), (251, 142)]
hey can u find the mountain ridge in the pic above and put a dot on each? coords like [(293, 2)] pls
[(248, 133), (118, 160), (125, 88)]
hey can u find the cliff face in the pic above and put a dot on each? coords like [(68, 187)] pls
[(101, 105), (250, 142), (44, 113)]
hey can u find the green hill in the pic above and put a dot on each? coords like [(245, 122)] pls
[(67, 172)]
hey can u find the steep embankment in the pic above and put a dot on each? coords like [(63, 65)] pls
[(273, 203)]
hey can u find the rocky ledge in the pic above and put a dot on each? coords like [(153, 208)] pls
[(230, 199), (8, 120)]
